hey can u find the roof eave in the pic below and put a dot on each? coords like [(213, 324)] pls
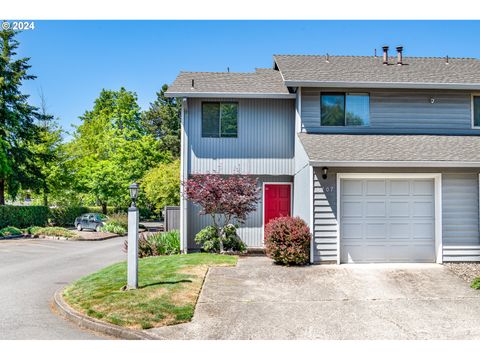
[(376, 163), (382, 85), (230, 95)]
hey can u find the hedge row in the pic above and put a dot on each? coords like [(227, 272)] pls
[(26, 216), (23, 216)]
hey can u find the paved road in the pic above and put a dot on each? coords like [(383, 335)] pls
[(258, 300), (32, 270)]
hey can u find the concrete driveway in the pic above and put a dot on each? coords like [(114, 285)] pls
[(30, 273), (258, 300)]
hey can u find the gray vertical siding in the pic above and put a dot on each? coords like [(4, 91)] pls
[(250, 232), (264, 146), (324, 216), (302, 190), (460, 211), (400, 111)]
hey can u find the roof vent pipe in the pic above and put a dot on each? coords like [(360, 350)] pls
[(193, 84), (385, 55), (446, 60), (327, 58), (399, 55)]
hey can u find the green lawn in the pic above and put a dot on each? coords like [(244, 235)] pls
[(167, 294)]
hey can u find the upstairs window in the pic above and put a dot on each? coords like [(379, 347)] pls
[(219, 119), (344, 109), (476, 110)]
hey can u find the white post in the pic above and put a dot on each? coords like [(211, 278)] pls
[(132, 257)]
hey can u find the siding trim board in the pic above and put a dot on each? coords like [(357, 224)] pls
[(437, 177)]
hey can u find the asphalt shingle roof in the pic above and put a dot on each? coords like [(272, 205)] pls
[(352, 148), (260, 82), (368, 69)]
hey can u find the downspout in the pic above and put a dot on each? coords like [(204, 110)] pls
[(183, 177)]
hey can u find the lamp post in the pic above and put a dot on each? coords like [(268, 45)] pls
[(132, 256)]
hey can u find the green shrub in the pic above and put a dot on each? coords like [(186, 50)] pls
[(23, 216), (155, 244), (65, 216), (114, 228), (287, 241), (118, 219), (32, 230), (10, 230), (476, 283), (51, 231), (208, 239)]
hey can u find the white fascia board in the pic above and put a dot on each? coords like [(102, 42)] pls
[(431, 164), (383, 85), (230, 95)]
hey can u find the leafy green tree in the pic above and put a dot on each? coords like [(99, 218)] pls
[(17, 121), (50, 156), (111, 149), (161, 185), (162, 120)]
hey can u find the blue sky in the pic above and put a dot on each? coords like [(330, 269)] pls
[(74, 60)]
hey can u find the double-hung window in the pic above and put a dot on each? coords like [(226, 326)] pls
[(344, 109), (219, 119), (476, 110)]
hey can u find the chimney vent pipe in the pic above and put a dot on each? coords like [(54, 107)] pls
[(385, 55), (399, 55)]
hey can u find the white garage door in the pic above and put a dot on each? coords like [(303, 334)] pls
[(387, 220)]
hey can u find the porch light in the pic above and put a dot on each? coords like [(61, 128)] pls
[(133, 193), (324, 172)]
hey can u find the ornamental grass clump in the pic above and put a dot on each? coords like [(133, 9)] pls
[(287, 241)]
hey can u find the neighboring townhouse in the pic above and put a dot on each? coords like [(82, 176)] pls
[(379, 155)]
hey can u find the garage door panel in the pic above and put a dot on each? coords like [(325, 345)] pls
[(375, 208), (399, 187), (352, 209), (399, 209), (353, 231), (376, 187), (423, 187), (352, 187), (423, 209), (376, 230), (400, 231), (387, 220)]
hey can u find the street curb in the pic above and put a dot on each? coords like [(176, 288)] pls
[(90, 323)]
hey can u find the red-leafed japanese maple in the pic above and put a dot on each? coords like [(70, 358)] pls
[(287, 240), (226, 199)]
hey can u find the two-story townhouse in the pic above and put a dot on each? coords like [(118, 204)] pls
[(379, 155)]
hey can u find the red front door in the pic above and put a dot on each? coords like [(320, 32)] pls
[(278, 201)]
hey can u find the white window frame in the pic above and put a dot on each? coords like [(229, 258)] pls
[(437, 177), (472, 109), (263, 202)]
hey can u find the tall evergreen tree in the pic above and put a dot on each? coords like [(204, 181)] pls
[(17, 127), (162, 120)]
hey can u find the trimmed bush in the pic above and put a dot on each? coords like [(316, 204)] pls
[(65, 216), (476, 284), (23, 216), (155, 244), (287, 241), (113, 228), (51, 231), (10, 230), (208, 238)]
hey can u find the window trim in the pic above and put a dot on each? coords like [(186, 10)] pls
[(344, 93), (472, 110), (219, 120)]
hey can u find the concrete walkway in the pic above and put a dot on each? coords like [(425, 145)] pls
[(31, 270), (258, 300)]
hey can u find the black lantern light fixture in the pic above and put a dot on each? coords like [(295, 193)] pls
[(133, 193), (324, 172)]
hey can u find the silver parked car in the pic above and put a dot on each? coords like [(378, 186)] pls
[(92, 221)]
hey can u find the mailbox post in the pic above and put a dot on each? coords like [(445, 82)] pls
[(133, 222)]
